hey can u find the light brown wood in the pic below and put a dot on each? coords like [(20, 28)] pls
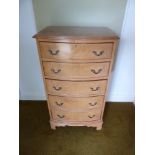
[(75, 51), (90, 115), (99, 126), (42, 72), (76, 96), (76, 61), (57, 70), (76, 41), (75, 104), (70, 32), (109, 77), (76, 88), (96, 123)]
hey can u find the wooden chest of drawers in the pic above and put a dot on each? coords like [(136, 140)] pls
[(76, 63)]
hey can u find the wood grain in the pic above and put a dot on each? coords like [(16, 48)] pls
[(76, 66), (70, 32), (109, 77), (57, 70), (96, 123), (76, 88), (90, 115), (75, 104), (76, 51)]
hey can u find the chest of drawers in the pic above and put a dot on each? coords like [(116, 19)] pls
[(76, 64)]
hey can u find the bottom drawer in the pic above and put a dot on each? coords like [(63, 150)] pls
[(90, 115)]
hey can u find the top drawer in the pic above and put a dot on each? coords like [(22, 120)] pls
[(76, 51)]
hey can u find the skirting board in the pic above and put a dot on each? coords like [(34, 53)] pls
[(111, 98)]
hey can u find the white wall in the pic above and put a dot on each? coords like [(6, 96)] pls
[(108, 13), (122, 81), (31, 84)]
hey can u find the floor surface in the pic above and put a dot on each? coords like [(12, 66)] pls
[(116, 138)]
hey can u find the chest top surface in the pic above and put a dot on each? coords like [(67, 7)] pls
[(69, 32)]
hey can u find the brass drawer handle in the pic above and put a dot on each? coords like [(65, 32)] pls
[(61, 116), (98, 53), (53, 52), (93, 104), (57, 88), (96, 72), (56, 71), (59, 104), (91, 116), (95, 89)]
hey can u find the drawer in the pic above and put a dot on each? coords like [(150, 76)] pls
[(76, 70), (90, 115), (76, 88), (74, 103), (76, 51)]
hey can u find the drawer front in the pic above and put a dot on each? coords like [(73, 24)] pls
[(76, 51), (76, 70), (76, 88), (74, 103), (90, 115)]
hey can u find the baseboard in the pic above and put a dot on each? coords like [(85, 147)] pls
[(32, 97), (114, 97), (120, 97)]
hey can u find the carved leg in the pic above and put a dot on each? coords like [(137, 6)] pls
[(99, 126), (52, 125)]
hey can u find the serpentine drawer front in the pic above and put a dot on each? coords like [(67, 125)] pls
[(75, 103), (76, 51), (81, 71), (76, 64), (76, 88)]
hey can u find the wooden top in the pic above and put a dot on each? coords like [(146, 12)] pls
[(68, 32)]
